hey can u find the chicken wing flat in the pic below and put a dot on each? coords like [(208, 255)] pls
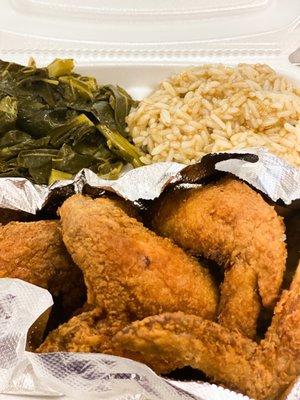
[(129, 271), (262, 371), (88, 332), (34, 252), (187, 340), (231, 224)]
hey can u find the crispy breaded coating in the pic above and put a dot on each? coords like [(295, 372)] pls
[(34, 252), (187, 340), (229, 223), (240, 312), (293, 246), (280, 350), (126, 206), (262, 371), (128, 270), (88, 332)]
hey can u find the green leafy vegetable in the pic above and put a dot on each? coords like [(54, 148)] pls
[(73, 131), (12, 142), (38, 163), (39, 120), (11, 169), (110, 170), (8, 113), (58, 176), (60, 68), (13, 137), (67, 160), (120, 102), (120, 146), (54, 122), (76, 85), (103, 113)]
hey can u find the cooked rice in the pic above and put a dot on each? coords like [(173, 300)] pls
[(215, 108)]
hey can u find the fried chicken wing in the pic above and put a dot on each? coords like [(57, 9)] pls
[(187, 340), (240, 302), (34, 252), (92, 332), (128, 270), (130, 273), (262, 371), (88, 332), (229, 223)]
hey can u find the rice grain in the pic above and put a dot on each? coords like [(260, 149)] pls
[(218, 108)]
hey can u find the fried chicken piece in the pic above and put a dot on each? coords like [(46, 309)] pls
[(292, 224), (89, 332), (261, 371), (187, 340), (92, 332), (231, 224), (130, 273), (128, 270), (126, 206), (35, 253), (240, 312)]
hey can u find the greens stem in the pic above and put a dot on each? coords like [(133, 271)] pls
[(121, 145)]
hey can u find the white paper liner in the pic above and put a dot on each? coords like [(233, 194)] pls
[(88, 376), (207, 391), (78, 375), (20, 305)]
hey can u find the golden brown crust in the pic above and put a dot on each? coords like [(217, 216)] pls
[(280, 350), (184, 340), (89, 332), (261, 371), (127, 268), (34, 252), (229, 223), (131, 274), (126, 206), (239, 301)]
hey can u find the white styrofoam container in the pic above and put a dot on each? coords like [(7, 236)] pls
[(137, 43), (148, 32)]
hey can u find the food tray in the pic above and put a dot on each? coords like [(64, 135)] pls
[(47, 29), (169, 39)]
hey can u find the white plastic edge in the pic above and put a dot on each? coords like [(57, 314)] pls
[(23, 34)]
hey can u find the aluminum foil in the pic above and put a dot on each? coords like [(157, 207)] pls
[(265, 172), (91, 376)]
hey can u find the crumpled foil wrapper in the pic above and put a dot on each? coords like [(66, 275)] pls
[(267, 173), (92, 376)]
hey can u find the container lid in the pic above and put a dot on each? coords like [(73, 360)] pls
[(152, 31)]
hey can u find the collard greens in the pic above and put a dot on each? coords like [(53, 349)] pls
[(54, 122)]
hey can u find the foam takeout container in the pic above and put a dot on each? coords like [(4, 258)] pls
[(136, 44)]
